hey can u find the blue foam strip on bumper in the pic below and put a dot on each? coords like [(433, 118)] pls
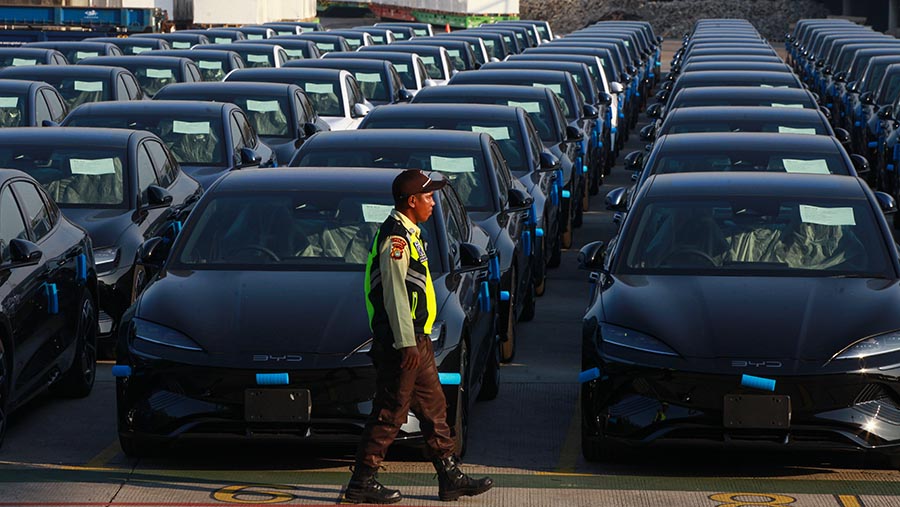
[(504, 295), (588, 375), (764, 384), (81, 269), (121, 370), (449, 379), (539, 232), (566, 194), (273, 379)]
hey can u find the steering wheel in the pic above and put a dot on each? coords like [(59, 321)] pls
[(258, 248), (689, 252)]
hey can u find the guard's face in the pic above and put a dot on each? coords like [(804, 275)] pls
[(422, 205)]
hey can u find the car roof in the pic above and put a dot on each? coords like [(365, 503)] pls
[(318, 178), (372, 55), (292, 72), (817, 186), (173, 61), (200, 53), (248, 46), (137, 107), (514, 74), (714, 75), (229, 87), (396, 138), (739, 140), (26, 50), (18, 85), (463, 111), (70, 136), (487, 90)]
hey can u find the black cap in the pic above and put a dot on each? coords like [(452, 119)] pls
[(414, 181)]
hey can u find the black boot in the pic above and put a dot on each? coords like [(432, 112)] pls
[(452, 483), (365, 488)]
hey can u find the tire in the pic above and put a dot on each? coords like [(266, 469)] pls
[(78, 380), (134, 447), (508, 344), (460, 428), (490, 385), (529, 306), (4, 392)]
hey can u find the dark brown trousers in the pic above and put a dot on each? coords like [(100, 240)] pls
[(397, 392)]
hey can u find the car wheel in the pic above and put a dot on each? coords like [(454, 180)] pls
[(490, 386), (78, 381), (4, 392), (508, 345), (461, 421), (528, 308)]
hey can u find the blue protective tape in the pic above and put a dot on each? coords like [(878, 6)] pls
[(121, 370), (526, 242), (588, 375), (273, 379), (494, 269), (504, 295), (621, 116), (449, 379), (584, 169), (566, 194), (484, 297), (856, 123), (613, 130), (539, 232), (873, 144), (81, 269), (764, 384), (890, 167), (52, 298)]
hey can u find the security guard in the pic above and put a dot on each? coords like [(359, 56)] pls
[(402, 307)]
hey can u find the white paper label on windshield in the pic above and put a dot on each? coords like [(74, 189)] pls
[(796, 130), (324, 46), (9, 102), (453, 52), (19, 62), (318, 87), (777, 104), (208, 65), (401, 67), (254, 36), (221, 40), (826, 216), (136, 50), (187, 45), (818, 166), (488, 43), (295, 54), (85, 54), (263, 106), (258, 58), (286, 32), (160, 73), (555, 88), (190, 127), (377, 38), (529, 107), (95, 167), (498, 133), (427, 60), (89, 86), (364, 77), (453, 164), (376, 213)]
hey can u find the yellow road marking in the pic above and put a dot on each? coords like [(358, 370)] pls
[(105, 455), (849, 501), (51, 466), (571, 448)]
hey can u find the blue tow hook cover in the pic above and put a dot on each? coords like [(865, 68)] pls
[(81, 269), (484, 297), (121, 371), (504, 295), (588, 375), (494, 269), (52, 298), (273, 379), (566, 194), (449, 379), (526, 242), (765, 384)]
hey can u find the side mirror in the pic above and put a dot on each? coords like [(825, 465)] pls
[(886, 202), (655, 110), (841, 77), (549, 162), (494, 59), (616, 87), (885, 112), (405, 95), (359, 110), (310, 129), (634, 161), (158, 196), (428, 83), (617, 199), (590, 112), (826, 71), (472, 258), (648, 133), (667, 86), (605, 99), (22, 251), (852, 86), (518, 200), (592, 256), (573, 134), (842, 136), (49, 123), (662, 96), (154, 251), (860, 163), (820, 64), (826, 112), (250, 157), (866, 98), (674, 71)]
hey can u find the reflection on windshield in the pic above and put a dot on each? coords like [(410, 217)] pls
[(724, 159), (325, 96), (753, 235), (12, 110), (152, 79), (80, 91)]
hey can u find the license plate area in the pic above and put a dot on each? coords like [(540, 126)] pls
[(755, 411), (277, 405)]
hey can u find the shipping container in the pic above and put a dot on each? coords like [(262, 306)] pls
[(456, 13), (190, 13)]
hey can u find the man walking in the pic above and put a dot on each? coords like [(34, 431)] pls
[(402, 307)]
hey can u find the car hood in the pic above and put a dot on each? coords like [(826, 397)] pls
[(206, 175), (237, 314), (753, 317), (104, 226), (284, 149)]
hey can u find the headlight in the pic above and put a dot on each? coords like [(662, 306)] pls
[(106, 259), (872, 346), (162, 335), (629, 339)]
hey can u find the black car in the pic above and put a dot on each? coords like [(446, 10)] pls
[(75, 51), (418, 29), (122, 186), (324, 41), (49, 299), (712, 78), (294, 49), (726, 96), (378, 80), (520, 143), (545, 111), (152, 72), (281, 114), (287, 27), (218, 334), (508, 35), (134, 45), (79, 84), (731, 65), (773, 304), (217, 35), (685, 120), (23, 56), (475, 166), (254, 53), (213, 64), (200, 135), (494, 43), (380, 36), (476, 45), (255, 33), (184, 39), (30, 104)]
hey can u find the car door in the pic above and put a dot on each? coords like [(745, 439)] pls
[(41, 111)]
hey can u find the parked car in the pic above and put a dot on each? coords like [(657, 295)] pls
[(75, 51), (253, 53), (30, 104), (214, 65), (79, 84), (378, 80), (152, 72), (22, 56), (133, 45)]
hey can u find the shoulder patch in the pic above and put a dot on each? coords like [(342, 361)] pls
[(398, 247)]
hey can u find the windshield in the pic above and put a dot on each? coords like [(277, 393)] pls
[(758, 235), (728, 158), (12, 110), (211, 70), (372, 85), (889, 88), (76, 55), (152, 79), (301, 230), (18, 61), (434, 66), (538, 111), (325, 96), (783, 125), (192, 140), (79, 177), (698, 100), (256, 59), (80, 91), (464, 169)]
